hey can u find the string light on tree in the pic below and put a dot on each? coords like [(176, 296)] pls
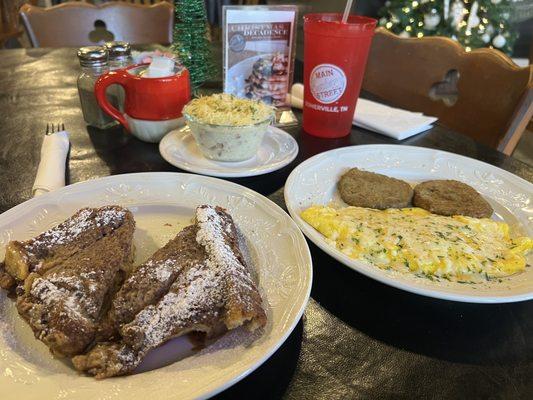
[(472, 23)]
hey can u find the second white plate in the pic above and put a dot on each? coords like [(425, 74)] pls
[(315, 182), (277, 150)]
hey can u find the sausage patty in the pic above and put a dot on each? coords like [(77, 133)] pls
[(368, 189), (449, 197)]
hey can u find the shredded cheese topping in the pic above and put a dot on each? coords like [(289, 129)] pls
[(226, 109)]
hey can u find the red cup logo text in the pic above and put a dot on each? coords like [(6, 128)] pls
[(328, 83)]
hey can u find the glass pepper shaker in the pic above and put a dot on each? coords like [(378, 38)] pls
[(119, 57), (119, 54), (94, 62)]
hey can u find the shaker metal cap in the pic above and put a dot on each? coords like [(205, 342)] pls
[(93, 56), (118, 49)]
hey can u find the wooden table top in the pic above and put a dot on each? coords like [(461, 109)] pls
[(358, 338)]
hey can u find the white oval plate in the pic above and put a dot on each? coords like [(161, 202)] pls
[(163, 203), (315, 182), (277, 150)]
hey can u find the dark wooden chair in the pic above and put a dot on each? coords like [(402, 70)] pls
[(481, 93), (9, 21), (77, 24)]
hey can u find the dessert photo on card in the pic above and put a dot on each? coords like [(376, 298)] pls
[(259, 52)]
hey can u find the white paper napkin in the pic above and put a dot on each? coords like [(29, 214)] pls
[(51, 170), (393, 122)]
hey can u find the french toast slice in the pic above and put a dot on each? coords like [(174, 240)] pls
[(57, 244), (213, 292), (64, 304)]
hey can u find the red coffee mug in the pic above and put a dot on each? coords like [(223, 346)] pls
[(152, 106)]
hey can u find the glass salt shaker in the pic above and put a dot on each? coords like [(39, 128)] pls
[(119, 57), (94, 62)]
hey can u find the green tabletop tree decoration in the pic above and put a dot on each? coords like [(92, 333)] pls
[(191, 42), (473, 23)]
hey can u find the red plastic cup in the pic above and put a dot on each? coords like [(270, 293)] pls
[(334, 64)]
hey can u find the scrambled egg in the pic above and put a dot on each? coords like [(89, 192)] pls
[(455, 248)]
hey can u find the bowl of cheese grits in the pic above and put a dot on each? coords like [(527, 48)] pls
[(228, 128)]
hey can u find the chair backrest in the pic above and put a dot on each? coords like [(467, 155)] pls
[(77, 24), (481, 93)]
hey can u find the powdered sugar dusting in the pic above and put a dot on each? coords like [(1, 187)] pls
[(110, 216), (127, 357), (177, 308), (220, 255), (71, 296), (52, 295), (162, 271), (70, 229), (90, 277)]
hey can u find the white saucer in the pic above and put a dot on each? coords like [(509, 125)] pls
[(276, 151)]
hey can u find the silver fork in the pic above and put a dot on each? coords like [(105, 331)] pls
[(50, 128)]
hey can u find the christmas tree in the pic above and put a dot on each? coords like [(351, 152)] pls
[(473, 23), (191, 42)]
